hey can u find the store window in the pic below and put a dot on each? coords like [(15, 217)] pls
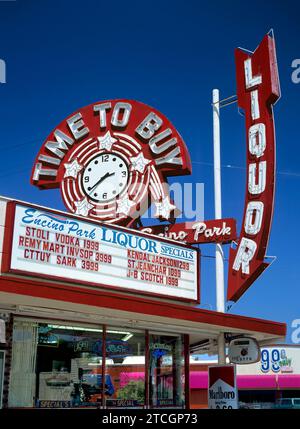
[(125, 367), (55, 365), (69, 366), (166, 370)]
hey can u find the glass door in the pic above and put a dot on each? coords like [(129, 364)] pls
[(166, 371), (125, 368)]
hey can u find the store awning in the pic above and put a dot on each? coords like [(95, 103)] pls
[(38, 298), (199, 380), (256, 382), (289, 381)]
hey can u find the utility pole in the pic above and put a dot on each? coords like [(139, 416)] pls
[(220, 288)]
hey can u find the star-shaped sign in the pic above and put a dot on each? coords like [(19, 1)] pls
[(124, 205), (139, 162), (106, 141), (72, 168), (83, 207), (164, 208)]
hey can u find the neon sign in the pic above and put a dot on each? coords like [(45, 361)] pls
[(257, 90)]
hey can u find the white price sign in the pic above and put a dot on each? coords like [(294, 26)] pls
[(222, 389), (59, 246)]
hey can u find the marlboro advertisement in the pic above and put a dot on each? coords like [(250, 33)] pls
[(222, 390)]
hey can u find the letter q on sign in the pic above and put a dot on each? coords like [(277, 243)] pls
[(254, 216), (257, 139)]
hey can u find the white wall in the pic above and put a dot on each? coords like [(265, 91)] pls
[(278, 359)]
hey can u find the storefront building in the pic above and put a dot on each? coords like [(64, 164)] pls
[(51, 361), (99, 310), (72, 344), (260, 385), (67, 366)]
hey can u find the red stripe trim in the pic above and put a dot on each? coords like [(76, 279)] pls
[(135, 304)]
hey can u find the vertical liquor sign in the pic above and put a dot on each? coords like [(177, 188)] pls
[(257, 90), (222, 390)]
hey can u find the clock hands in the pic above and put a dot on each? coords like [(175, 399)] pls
[(101, 180), (105, 177)]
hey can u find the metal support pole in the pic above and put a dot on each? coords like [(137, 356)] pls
[(221, 350), (220, 289)]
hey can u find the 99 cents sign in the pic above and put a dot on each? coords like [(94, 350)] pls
[(109, 158)]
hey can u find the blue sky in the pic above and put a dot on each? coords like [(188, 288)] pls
[(62, 55)]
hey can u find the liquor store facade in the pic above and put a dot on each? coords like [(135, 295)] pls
[(68, 343), (99, 310), (119, 339), (61, 364), (59, 354)]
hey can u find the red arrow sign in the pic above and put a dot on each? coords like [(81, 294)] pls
[(257, 90)]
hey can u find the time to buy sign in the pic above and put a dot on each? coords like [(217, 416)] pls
[(62, 247)]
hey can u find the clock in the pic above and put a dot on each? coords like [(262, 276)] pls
[(105, 177), (110, 178)]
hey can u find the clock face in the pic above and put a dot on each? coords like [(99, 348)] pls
[(109, 179), (105, 177)]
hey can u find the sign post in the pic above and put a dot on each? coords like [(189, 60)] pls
[(220, 292)]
